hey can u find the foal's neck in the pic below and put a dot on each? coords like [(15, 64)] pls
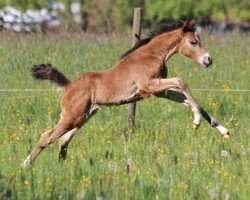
[(166, 44)]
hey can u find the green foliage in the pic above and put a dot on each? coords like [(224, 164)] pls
[(168, 9), (23, 4), (243, 10), (202, 9), (114, 14), (110, 14)]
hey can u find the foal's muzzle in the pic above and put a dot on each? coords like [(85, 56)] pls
[(207, 60)]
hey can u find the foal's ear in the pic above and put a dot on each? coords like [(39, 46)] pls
[(188, 25)]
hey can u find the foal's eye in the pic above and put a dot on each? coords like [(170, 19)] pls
[(193, 43)]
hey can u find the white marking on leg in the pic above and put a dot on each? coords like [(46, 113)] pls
[(186, 103), (26, 163), (67, 136), (197, 118), (222, 129)]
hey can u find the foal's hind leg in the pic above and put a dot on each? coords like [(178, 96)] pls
[(66, 138), (47, 138), (64, 141), (180, 98)]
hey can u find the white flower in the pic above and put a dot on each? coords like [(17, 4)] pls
[(213, 192), (81, 194), (163, 182), (100, 198), (224, 153), (112, 166), (226, 195)]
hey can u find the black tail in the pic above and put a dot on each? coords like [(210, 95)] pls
[(47, 72)]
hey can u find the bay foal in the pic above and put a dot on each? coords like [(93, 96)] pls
[(136, 76)]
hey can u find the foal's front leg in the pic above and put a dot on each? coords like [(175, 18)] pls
[(158, 85), (180, 98)]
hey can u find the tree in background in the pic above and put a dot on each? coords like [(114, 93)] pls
[(108, 15), (23, 4), (199, 9)]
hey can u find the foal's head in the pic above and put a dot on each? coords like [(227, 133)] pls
[(191, 45)]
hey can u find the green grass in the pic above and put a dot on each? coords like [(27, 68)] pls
[(164, 158)]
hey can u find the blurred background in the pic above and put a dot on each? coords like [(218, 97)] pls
[(117, 15)]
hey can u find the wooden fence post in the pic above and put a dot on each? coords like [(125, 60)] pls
[(135, 37)]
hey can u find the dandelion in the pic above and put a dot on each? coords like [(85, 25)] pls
[(26, 182), (215, 105), (184, 185), (85, 180)]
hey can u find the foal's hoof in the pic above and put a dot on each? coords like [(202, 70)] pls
[(195, 126), (227, 135), (27, 162)]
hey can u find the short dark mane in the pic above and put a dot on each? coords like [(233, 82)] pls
[(159, 30)]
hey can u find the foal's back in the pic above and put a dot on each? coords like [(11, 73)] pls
[(105, 87)]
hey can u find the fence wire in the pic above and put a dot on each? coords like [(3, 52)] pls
[(42, 91)]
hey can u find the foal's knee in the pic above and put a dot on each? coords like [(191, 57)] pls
[(181, 83)]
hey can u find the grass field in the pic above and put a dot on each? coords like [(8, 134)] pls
[(164, 158)]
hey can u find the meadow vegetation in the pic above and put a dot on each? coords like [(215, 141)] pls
[(164, 158)]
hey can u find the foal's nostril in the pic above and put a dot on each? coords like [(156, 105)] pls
[(210, 60)]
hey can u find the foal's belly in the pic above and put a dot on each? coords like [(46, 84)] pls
[(119, 95), (121, 101), (124, 101)]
